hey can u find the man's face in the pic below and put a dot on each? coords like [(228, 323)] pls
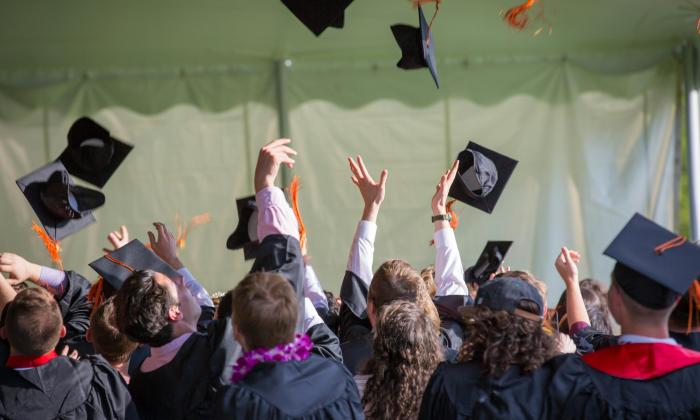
[(186, 303)]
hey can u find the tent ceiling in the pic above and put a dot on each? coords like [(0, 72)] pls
[(91, 34)]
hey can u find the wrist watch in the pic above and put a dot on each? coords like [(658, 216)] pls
[(439, 217)]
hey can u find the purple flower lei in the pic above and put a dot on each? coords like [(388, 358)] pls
[(297, 350)]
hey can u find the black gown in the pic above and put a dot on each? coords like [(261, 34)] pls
[(690, 341), (459, 391), (628, 381), (67, 389), (315, 388)]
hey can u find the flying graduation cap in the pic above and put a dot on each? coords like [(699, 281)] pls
[(62, 207), (317, 15), (417, 46), (117, 266), (488, 263), (482, 176), (246, 233), (92, 153), (654, 265)]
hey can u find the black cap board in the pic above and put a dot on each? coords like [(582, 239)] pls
[(92, 154), (488, 263), (482, 176), (417, 46), (245, 235), (317, 15), (62, 207), (117, 266), (655, 265), (506, 293)]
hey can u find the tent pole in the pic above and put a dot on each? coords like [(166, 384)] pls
[(693, 132), (281, 68)]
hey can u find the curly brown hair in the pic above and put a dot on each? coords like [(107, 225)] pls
[(498, 340), (406, 352)]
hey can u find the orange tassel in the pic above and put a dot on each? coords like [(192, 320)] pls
[(694, 302), (51, 245), (95, 293), (182, 232), (517, 17), (294, 193), (455, 220)]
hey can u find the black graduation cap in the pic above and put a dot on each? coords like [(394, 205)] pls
[(119, 265), (317, 15), (92, 153), (482, 176), (655, 265), (506, 294), (488, 263), (417, 46), (245, 235), (62, 207)]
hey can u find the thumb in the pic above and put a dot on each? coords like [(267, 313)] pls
[(567, 256), (152, 239)]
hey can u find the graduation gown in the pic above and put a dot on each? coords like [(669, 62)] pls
[(628, 381), (315, 388), (459, 391), (690, 341), (67, 389)]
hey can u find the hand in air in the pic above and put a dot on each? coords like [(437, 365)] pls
[(117, 238), (372, 191), (566, 265), (165, 246), (271, 156), (442, 189), (18, 269)]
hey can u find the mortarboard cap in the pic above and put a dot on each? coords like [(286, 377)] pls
[(417, 46), (92, 153), (246, 233), (117, 266), (482, 176), (62, 207), (488, 263), (654, 265), (507, 293), (317, 15)]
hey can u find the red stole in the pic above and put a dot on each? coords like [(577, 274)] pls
[(20, 362), (641, 361)]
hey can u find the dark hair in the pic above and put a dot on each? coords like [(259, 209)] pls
[(498, 340), (33, 322), (265, 310), (142, 307), (397, 280), (225, 307), (428, 276), (114, 346), (407, 350), (686, 314), (595, 299)]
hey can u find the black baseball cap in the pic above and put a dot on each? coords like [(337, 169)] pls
[(488, 263), (117, 266), (92, 154), (417, 46), (507, 293), (245, 235), (654, 265), (62, 207), (317, 15), (482, 176)]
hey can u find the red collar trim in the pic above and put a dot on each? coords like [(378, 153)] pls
[(641, 361), (22, 362)]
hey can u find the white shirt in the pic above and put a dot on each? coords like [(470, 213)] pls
[(449, 273), (361, 255)]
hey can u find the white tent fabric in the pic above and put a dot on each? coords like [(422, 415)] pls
[(594, 148)]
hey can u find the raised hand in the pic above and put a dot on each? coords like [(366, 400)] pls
[(18, 269), (165, 246), (372, 192), (566, 265), (118, 238), (271, 156), (442, 189)]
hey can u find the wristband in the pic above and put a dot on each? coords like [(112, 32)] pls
[(438, 217)]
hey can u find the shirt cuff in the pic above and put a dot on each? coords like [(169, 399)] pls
[(275, 216), (199, 293), (311, 317), (445, 238), (52, 278), (367, 230), (577, 327)]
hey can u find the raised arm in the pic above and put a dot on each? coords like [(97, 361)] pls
[(449, 273), (7, 293), (576, 313)]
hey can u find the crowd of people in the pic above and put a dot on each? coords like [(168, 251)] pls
[(147, 341)]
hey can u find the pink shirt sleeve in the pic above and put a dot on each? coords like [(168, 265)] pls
[(275, 216)]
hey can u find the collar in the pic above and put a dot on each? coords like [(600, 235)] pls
[(27, 362), (171, 347), (636, 339), (641, 361)]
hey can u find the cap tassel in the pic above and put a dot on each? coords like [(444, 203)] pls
[(294, 193), (119, 263), (673, 243), (182, 232), (95, 293), (517, 17), (694, 302), (52, 246)]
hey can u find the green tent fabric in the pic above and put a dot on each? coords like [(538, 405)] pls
[(590, 111)]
